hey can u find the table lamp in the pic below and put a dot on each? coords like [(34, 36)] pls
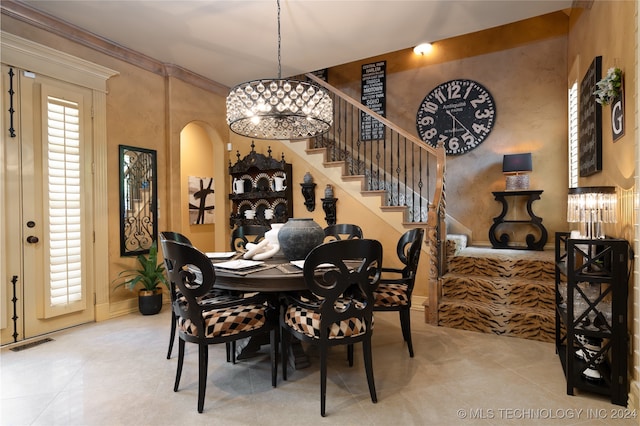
[(591, 207), (516, 168)]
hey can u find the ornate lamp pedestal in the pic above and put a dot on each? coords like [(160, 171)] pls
[(309, 194)]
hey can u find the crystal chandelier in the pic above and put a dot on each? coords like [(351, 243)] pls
[(279, 108)]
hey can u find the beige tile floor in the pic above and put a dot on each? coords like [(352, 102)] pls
[(116, 373)]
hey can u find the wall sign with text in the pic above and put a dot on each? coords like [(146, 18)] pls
[(590, 127), (374, 87), (617, 116)]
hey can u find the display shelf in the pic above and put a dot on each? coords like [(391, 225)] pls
[(258, 173), (591, 314)]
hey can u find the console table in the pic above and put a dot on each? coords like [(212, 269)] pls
[(500, 223)]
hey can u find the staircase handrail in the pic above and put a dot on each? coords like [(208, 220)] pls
[(436, 228), (439, 152)]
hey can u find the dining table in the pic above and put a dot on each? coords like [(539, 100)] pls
[(275, 275)]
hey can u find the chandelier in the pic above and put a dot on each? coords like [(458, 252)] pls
[(279, 108)]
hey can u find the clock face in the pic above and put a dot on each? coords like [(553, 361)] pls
[(459, 113)]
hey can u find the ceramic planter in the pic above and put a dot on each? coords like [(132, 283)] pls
[(150, 301)]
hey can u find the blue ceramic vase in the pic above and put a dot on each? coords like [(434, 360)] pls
[(298, 237)]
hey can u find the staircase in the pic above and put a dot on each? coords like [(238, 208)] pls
[(400, 178), (505, 292)]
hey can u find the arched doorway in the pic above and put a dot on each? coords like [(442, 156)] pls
[(203, 172)]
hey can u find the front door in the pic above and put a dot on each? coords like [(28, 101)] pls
[(46, 226)]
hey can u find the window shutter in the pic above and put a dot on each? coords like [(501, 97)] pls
[(64, 206), (573, 136)]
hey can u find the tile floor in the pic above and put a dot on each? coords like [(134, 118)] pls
[(116, 373)]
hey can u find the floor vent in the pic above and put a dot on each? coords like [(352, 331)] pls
[(31, 344)]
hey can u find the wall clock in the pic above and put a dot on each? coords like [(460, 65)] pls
[(460, 113)]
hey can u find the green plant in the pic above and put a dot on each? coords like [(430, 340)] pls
[(609, 87), (150, 273)]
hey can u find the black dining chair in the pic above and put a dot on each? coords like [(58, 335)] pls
[(396, 285), (172, 236), (175, 236), (342, 231), (205, 321), (338, 307), (244, 234), (174, 293)]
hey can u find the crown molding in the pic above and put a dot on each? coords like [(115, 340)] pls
[(29, 15)]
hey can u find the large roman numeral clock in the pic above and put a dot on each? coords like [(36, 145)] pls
[(459, 113)]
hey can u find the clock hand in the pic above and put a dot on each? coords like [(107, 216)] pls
[(455, 119)]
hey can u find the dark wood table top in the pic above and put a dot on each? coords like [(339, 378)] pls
[(277, 275)]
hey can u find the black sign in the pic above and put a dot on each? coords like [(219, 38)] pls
[(590, 129), (374, 87)]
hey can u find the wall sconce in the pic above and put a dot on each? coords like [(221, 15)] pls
[(309, 192), (516, 168), (591, 207), (329, 205)]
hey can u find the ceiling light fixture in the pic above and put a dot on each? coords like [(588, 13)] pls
[(422, 49), (279, 108)]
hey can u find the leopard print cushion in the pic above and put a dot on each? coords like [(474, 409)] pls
[(388, 295), (227, 321), (307, 321)]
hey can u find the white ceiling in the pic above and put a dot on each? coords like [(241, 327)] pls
[(235, 41)]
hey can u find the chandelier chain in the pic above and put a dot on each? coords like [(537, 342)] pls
[(279, 43), (279, 109)]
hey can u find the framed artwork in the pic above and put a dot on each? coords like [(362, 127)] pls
[(201, 200), (590, 122), (138, 200)]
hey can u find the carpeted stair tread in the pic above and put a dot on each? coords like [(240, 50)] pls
[(523, 323), (505, 292), (509, 292)]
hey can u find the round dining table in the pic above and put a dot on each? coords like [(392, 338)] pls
[(275, 275)]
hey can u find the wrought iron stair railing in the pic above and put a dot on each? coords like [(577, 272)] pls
[(395, 161), (410, 171)]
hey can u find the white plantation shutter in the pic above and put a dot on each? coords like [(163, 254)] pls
[(573, 136), (64, 184)]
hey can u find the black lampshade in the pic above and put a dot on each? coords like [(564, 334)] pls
[(514, 163)]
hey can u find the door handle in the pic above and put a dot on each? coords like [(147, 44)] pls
[(32, 239)]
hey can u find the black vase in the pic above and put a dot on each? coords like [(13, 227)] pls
[(150, 301), (298, 237)]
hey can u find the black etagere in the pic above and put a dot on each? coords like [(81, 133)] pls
[(257, 173), (591, 314)]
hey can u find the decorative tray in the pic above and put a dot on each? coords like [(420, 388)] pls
[(220, 254), (238, 264)]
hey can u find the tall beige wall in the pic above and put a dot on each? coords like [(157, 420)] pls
[(523, 66), (609, 29)]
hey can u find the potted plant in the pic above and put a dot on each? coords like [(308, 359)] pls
[(150, 275), (609, 87)]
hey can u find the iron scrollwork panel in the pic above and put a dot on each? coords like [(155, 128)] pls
[(138, 200)]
